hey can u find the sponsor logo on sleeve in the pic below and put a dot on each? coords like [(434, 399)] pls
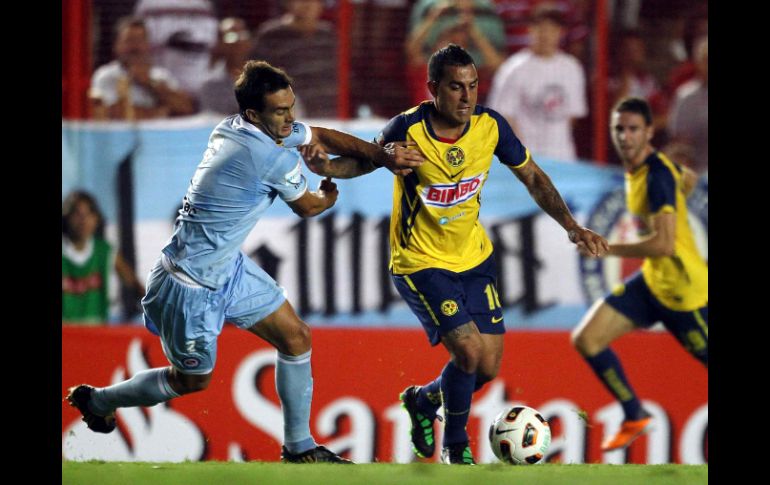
[(295, 176)]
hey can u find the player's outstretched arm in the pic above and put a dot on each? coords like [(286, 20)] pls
[(318, 161), (313, 203), (659, 243), (548, 198), (398, 158)]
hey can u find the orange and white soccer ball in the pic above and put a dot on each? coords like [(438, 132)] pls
[(520, 436)]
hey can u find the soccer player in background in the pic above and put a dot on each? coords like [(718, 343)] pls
[(672, 286), (203, 278), (441, 258)]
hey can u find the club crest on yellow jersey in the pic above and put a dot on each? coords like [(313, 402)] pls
[(455, 156)]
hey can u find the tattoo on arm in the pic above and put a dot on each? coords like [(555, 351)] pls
[(545, 194), (340, 143)]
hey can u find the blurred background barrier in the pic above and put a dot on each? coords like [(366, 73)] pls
[(335, 267), (356, 407)]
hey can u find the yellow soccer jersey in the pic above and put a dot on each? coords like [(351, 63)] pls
[(679, 282), (435, 218)]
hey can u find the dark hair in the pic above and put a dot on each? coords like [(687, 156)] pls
[(547, 11), (68, 208), (451, 55), (635, 105), (258, 79), (126, 22)]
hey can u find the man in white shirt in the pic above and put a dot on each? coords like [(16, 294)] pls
[(541, 89), (130, 87)]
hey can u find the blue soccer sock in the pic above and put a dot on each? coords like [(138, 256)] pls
[(429, 398), (457, 392), (478, 385), (294, 383), (146, 388), (607, 368)]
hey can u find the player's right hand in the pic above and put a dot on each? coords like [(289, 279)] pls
[(402, 156), (589, 243)]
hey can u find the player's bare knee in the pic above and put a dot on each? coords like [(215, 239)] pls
[(586, 345), (468, 357), (198, 385), (299, 339), (581, 343), (189, 383), (579, 340)]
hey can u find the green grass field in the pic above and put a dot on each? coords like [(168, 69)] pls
[(211, 473)]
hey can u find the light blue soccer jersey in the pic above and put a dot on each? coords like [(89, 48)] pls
[(242, 172)]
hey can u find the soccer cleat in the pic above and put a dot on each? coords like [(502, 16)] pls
[(319, 454), (79, 397), (459, 454), (629, 431), (423, 443)]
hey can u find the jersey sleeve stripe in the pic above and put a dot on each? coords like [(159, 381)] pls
[(526, 159), (308, 133), (666, 209), (298, 196)]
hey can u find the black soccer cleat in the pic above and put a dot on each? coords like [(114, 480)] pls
[(423, 442), (459, 454), (79, 397), (319, 454)]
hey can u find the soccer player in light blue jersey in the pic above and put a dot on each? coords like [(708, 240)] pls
[(203, 278)]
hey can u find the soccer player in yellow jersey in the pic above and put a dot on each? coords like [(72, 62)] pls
[(441, 258), (672, 286)]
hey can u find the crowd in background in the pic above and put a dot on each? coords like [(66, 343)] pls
[(535, 58)]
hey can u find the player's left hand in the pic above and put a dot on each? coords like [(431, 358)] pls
[(316, 159), (589, 243)]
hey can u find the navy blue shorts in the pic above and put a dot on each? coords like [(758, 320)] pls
[(443, 300), (635, 300)]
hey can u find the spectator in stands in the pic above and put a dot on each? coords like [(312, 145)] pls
[(217, 95), (131, 87), (540, 90), (86, 261), (689, 116), (301, 43), (471, 25), (516, 13), (696, 25), (182, 34)]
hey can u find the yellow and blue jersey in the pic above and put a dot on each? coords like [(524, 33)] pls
[(679, 282), (435, 217)]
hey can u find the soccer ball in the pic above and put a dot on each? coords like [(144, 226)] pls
[(520, 436)]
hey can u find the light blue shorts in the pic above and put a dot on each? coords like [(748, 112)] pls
[(189, 317)]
